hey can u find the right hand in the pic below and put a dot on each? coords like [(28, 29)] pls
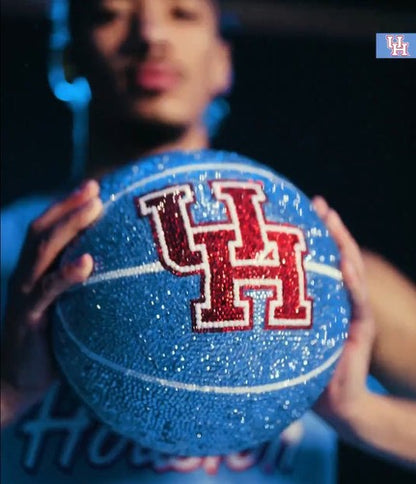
[(27, 362)]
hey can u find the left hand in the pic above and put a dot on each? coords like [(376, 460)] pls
[(383, 424), (347, 391)]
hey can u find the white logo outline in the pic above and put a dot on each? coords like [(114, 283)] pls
[(270, 247), (397, 47)]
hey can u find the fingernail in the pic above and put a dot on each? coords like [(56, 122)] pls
[(349, 268), (81, 187), (85, 185), (79, 262)]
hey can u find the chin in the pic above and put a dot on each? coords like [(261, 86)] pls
[(162, 109)]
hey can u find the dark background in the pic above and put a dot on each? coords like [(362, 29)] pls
[(313, 103)]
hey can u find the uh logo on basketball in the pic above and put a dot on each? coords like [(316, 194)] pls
[(242, 253)]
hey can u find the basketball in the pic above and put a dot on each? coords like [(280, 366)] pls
[(216, 311)]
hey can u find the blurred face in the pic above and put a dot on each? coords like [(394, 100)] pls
[(160, 61)]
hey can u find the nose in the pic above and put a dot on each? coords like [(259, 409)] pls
[(152, 23), (148, 28)]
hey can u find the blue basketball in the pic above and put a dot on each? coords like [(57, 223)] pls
[(216, 311)]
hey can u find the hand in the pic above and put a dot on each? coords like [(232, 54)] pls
[(347, 389), (382, 424), (27, 362)]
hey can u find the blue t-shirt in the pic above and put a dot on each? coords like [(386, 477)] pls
[(59, 440)]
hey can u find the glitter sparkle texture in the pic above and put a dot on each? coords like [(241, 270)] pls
[(129, 342)]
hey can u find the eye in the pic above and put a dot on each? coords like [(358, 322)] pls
[(102, 16), (185, 13)]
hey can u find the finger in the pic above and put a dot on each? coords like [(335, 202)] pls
[(320, 205), (342, 236), (362, 328), (345, 241), (39, 227), (88, 190), (356, 287), (61, 235), (51, 286), (361, 331), (352, 264)]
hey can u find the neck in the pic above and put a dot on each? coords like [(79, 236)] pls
[(115, 144)]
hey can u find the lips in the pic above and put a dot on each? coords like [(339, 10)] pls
[(156, 77)]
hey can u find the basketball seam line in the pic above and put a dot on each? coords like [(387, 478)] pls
[(192, 387), (155, 267)]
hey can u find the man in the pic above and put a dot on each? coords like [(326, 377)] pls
[(154, 66)]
